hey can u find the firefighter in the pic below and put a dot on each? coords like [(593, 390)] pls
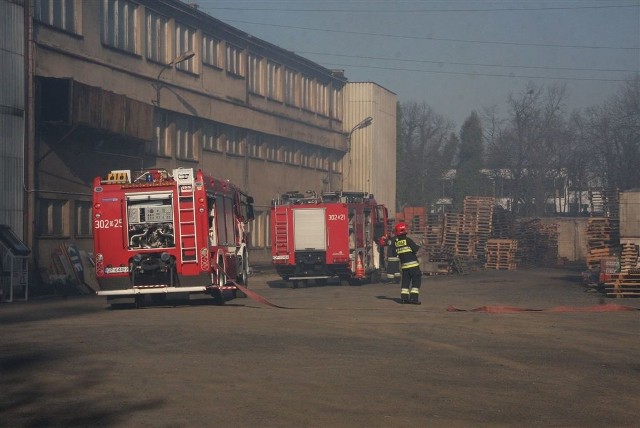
[(406, 250)]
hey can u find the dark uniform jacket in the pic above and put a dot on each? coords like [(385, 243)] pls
[(405, 249)]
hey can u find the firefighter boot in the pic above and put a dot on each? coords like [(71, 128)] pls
[(404, 295), (414, 296)]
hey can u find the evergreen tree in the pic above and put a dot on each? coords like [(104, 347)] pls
[(469, 179)]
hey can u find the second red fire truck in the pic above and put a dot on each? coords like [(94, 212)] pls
[(335, 234), (162, 234)]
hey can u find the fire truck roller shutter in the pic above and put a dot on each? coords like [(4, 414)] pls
[(310, 229)]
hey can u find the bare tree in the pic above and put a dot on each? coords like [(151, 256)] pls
[(529, 145), (612, 132), (422, 147)]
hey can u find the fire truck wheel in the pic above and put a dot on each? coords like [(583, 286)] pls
[(355, 281), (221, 277), (243, 278), (139, 301), (218, 298)]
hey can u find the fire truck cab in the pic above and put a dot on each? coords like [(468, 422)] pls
[(161, 234), (334, 234)]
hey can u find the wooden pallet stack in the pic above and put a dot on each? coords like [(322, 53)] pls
[(459, 237), (628, 257), (596, 201), (599, 241), (434, 231), (478, 211), (623, 284), (416, 219), (503, 226), (537, 243), (501, 254)]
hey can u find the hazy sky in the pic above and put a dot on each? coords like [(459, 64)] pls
[(457, 56)]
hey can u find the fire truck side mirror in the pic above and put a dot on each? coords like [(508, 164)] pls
[(250, 214)]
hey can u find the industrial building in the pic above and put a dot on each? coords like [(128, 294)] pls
[(123, 84)]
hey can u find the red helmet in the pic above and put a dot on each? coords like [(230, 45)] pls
[(401, 228)]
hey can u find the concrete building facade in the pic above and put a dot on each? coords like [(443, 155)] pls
[(124, 84), (12, 114), (370, 163)]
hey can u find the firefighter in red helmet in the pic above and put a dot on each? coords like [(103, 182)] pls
[(406, 250)]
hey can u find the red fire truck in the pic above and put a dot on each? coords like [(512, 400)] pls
[(165, 235), (334, 234)]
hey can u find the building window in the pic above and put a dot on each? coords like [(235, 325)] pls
[(323, 100), (234, 60), (307, 93), (156, 37), (255, 75), (259, 230), (161, 142), (336, 104), (274, 84), (57, 13), (211, 51), (185, 139), (235, 140), (51, 217), (119, 24), (290, 89), (211, 137), (254, 142), (185, 41), (271, 149), (83, 218)]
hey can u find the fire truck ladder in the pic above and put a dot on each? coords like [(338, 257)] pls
[(282, 233), (187, 222)]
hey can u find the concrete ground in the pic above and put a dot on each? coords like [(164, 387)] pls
[(340, 356)]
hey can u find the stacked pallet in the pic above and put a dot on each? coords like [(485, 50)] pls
[(596, 200), (623, 284), (628, 257), (501, 254), (415, 218), (459, 237), (612, 210), (599, 241), (503, 224), (434, 231), (537, 243), (478, 211)]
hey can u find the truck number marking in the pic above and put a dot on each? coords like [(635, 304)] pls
[(119, 269), (337, 217), (108, 224)]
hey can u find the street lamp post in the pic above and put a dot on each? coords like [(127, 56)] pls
[(367, 121), (363, 124), (177, 60)]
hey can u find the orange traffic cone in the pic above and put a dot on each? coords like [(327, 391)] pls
[(359, 267)]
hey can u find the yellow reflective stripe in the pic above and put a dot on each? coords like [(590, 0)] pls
[(403, 250), (410, 265), (404, 291), (393, 259), (415, 291)]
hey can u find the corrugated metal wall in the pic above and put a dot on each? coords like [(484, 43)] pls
[(629, 214), (11, 114), (370, 165), (572, 236)]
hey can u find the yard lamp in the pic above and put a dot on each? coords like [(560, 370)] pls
[(362, 124), (367, 121), (185, 56)]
